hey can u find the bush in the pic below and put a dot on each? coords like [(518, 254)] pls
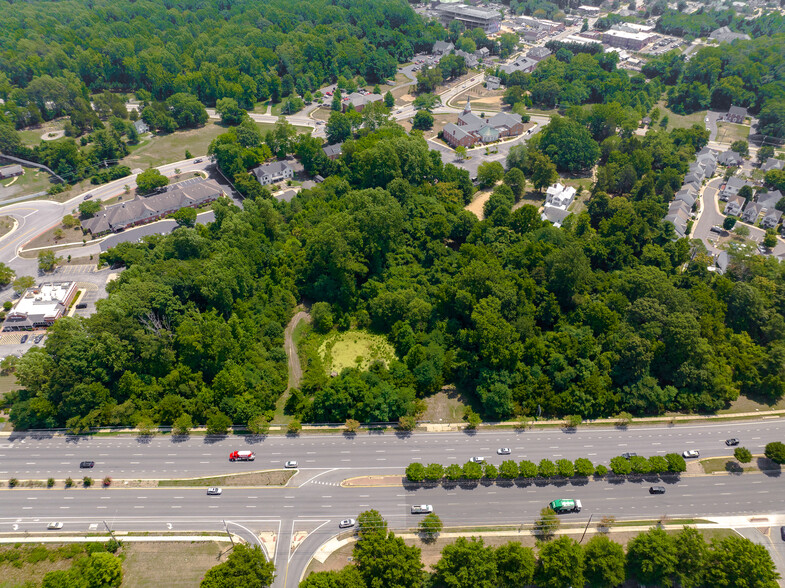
[(472, 418), (434, 472), (351, 425), (583, 467), (509, 470), (528, 469), (87, 481), (601, 471), (573, 420), (775, 451), (743, 455), (182, 425), (218, 424), (146, 427), (50, 482), (259, 425), (453, 472), (113, 545), (13, 483), (546, 469), (107, 482), (620, 466), (491, 472), (415, 472), (69, 482), (294, 428), (676, 463), (623, 419), (407, 423)]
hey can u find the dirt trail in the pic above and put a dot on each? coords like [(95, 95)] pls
[(295, 370)]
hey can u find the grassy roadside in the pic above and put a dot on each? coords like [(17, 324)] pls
[(266, 478)]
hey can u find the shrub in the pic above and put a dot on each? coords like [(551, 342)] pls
[(69, 482), (573, 420), (13, 483), (743, 455), (415, 472), (259, 425), (528, 469), (87, 481), (50, 482), (407, 423), (294, 428), (146, 427), (547, 524), (113, 545), (473, 420), (352, 425), (623, 419), (775, 451), (583, 467), (107, 482)]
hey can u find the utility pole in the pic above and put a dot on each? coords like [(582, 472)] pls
[(585, 529), (111, 533), (228, 533)]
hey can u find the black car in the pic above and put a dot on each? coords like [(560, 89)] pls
[(782, 533), (657, 490), (629, 455), (37, 338), (24, 339), (87, 464), (730, 442)]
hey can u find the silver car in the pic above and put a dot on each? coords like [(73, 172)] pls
[(214, 491), (346, 523), (422, 509)]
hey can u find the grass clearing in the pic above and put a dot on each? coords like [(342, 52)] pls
[(155, 150), (730, 132), (680, 121), (744, 404), (32, 137), (265, 478), (185, 563), (31, 182), (446, 406), (354, 348), (731, 465), (49, 238)]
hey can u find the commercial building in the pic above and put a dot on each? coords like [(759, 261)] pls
[(471, 129), (488, 20), (625, 40), (40, 306), (359, 100), (142, 210)]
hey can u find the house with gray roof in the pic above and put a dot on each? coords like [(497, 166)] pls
[(470, 59), (538, 53), (359, 101), (732, 187), (769, 199), (687, 195), (10, 171), (751, 212), (771, 218), (270, 173), (734, 206), (492, 82), (730, 158), (442, 48), (526, 65), (772, 163), (679, 216), (725, 35), (333, 151), (554, 215), (482, 53), (736, 114), (141, 127)]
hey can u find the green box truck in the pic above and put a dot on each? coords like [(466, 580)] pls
[(566, 505)]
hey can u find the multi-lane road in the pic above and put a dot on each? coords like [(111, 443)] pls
[(314, 501)]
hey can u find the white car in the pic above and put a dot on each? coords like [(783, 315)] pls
[(346, 523), (422, 509), (503, 451), (290, 464), (477, 460), (691, 453), (54, 526), (214, 491)]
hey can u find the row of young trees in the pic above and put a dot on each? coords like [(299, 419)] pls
[(653, 558), (672, 463)]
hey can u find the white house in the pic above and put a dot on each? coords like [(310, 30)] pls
[(270, 173), (559, 196)]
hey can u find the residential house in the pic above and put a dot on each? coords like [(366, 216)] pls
[(769, 200), (141, 210), (285, 195), (679, 216), (735, 205), (359, 101), (333, 152), (770, 164), (725, 35), (554, 215), (721, 262), (687, 195), (736, 114), (533, 35), (492, 82), (442, 48), (751, 212), (538, 53), (482, 53), (10, 171), (771, 218), (559, 195), (469, 58), (270, 173), (732, 187), (141, 127), (729, 158), (525, 64)]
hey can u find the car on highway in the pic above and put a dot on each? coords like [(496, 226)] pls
[(657, 490), (24, 339), (422, 509), (214, 491), (290, 464), (691, 453), (730, 442), (346, 523), (87, 197), (54, 526), (477, 459), (782, 533), (198, 160), (503, 451), (87, 464), (629, 455)]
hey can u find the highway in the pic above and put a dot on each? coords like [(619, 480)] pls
[(31, 456)]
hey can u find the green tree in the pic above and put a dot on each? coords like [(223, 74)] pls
[(460, 152), (489, 172), (185, 217), (434, 472), (658, 464), (516, 181), (651, 557), (294, 427), (415, 472), (620, 466), (546, 468), (561, 564), (338, 128), (385, 560), (467, 562), (605, 561), (7, 275), (741, 147), (348, 577), (565, 468), (583, 467), (371, 523), (246, 566), (490, 471), (335, 105), (775, 451), (568, 144), (691, 554), (389, 100), (676, 463), (453, 472), (742, 454), (528, 469), (543, 172), (351, 425), (472, 471), (423, 120), (218, 424), (22, 283), (547, 524), (259, 425), (770, 238), (230, 111), (729, 223), (736, 561), (573, 420), (515, 565), (430, 527), (639, 465), (89, 208), (509, 469), (182, 425), (322, 317), (150, 180), (47, 260)]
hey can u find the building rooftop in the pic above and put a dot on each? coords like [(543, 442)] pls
[(40, 306)]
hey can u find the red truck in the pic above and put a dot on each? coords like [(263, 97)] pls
[(242, 456)]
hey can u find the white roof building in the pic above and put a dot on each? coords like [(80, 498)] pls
[(40, 306)]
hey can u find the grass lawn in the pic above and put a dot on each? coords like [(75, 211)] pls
[(155, 150), (32, 137), (48, 239), (6, 224), (184, 563), (354, 348), (729, 132), (446, 406), (679, 121), (745, 404), (271, 478), (8, 384), (31, 182)]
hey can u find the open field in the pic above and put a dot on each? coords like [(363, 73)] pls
[(680, 121), (446, 406), (155, 150), (31, 182), (730, 132), (354, 348), (32, 137), (745, 404)]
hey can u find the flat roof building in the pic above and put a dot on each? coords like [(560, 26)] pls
[(487, 20), (625, 40), (40, 306)]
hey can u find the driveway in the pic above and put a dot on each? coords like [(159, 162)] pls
[(711, 123)]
